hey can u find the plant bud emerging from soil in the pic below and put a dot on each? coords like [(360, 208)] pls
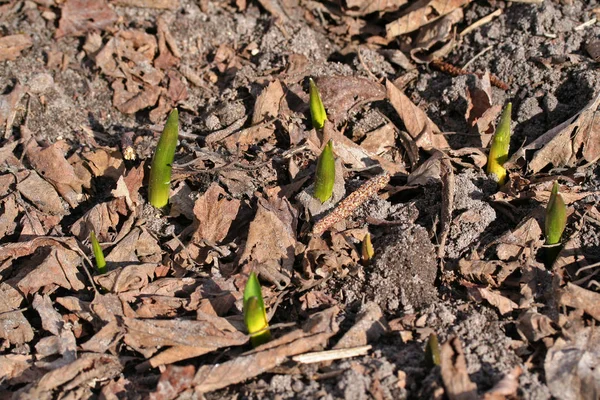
[(317, 109), (325, 174), (162, 162), (556, 217), (367, 251), (500, 145), (255, 315), (432, 351), (98, 254)]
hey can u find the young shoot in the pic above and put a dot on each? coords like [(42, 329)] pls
[(325, 174), (367, 251), (317, 109), (255, 315), (500, 145), (432, 351), (98, 254), (556, 217), (160, 171)]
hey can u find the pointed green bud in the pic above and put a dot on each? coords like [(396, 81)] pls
[(162, 162), (255, 315), (499, 148), (556, 217), (98, 254), (317, 109), (432, 351), (325, 174), (367, 249)]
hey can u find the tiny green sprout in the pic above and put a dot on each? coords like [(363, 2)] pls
[(317, 109), (255, 315), (160, 171), (500, 145), (432, 351), (98, 254), (367, 251), (556, 217), (325, 174)]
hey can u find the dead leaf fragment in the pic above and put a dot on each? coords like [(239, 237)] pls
[(41, 194), (159, 4), (12, 46), (370, 325), (81, 16), (214, 213), (364, 7), (421, 13), (268, 102), (454, 372), (341, 93), (582, 299), (507, 387)]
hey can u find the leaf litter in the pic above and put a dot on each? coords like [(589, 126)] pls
[(165, 320)]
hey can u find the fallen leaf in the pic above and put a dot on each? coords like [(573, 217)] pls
[(364, 7), (434, 34), (582, 299), (423, 130), (271, 240), (369, 326), (522, 242), (492, 272), (102, 219), (41, 193), (380, 140), (571, 365), (137, 247), (103, 162), (421, 13), (128, 278), (535, 326), (159, 4), (481, 111), (506, 388), (340, 93), (9, 211), (8, 112), (11, 46), (81, 16), (173, 380), (268, 102), (214, 214), (454, 372), (565, 143), (502, 303), (18, 368), (135, 98), (315, 333)]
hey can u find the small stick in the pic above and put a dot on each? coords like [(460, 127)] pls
[(452, 70), (351, 203), (476, 56), (330, 355), (585, 24), (480, 22)]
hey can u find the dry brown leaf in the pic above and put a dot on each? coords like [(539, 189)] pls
[(11, 46), (315, 333), (214, 213), (268, 102), (421, 13), (169, 53), (181, 201), (380, 140), (18, 368), (102, 219), (481, 113), (271, 243), (502, 303), (148, 336), (41, 193), (562, 145), (173, 380), (363, 7), (369, 326), (15, 328), (535, 326), (103, 162), (9, 211), (124, 279), (135, 98), (492, 272), (341, 93), (51, 320), (106, 339), (8, 112), (571, 366), (423, 130), (582, 299), (138, 246), (80, 16), (447, 204), (506, 388), (88, 367), (523, 242), (454, 372), (432, 35)]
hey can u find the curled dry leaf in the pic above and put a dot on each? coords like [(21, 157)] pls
[(101, 219), (535, 326), (582, 299), (8, 112), (432, 35), (522, 242), (80, 16), (11, 46), (341, 93), (41, 193), (271, 243), (124, 279), (571, 365), (492, 272), (103, 162), (454, 372), (268, 102), (421, 13), (363, 7), (563, 144), (481, 111), (315, 333), (137, 246), (214, 214), (369, 326), (506, 388), (418, 125)]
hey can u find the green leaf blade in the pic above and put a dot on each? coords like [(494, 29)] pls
[(325, 178), (160, 171), (255, 315), (98, 254), (500, 146), (317, 109), (556, 217)]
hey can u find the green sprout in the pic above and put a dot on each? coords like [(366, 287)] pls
[(98, 254), (317, 109), (325, 174), (367, 249), (556, 217), (160, 171), (432, 351), (255, 315), (500, 145)]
